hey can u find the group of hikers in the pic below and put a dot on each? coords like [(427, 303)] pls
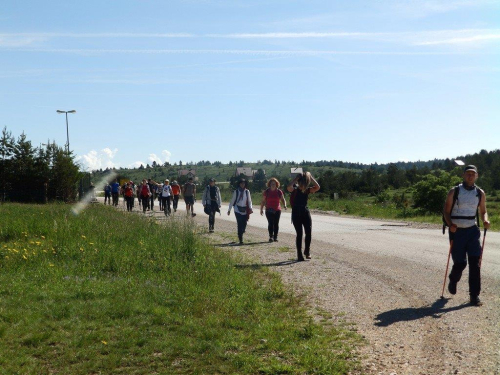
[(148, 191), (464, 206), (273, 200)]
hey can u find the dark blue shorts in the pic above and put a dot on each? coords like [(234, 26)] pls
[(465, 242), (189, 200)]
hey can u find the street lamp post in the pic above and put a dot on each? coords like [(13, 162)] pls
[(67, 129)]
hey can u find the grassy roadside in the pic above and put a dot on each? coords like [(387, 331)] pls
[(111, 292)]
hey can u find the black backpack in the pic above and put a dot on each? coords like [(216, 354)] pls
[(456, 190)]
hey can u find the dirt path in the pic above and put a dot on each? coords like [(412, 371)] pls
[(386, 278)]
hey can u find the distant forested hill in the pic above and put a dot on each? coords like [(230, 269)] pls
[(371, 178)]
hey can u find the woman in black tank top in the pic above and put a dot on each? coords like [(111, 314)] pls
[(301, 217)]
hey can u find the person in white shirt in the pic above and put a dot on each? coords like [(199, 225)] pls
[(242, 203), (166, 194)]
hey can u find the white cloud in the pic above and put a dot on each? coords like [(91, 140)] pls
[(98, 159), (425, 8), (464, 40), (45, 36), (166, 155), (137, 164), (7, 40), (110, 153), (242, 52), (154, 158)]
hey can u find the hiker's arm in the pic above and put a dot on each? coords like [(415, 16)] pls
[(483, 212), (290, 185), (315, 186), (447, 211), (283, 200), (233, 197), (249, 197), (263, 203)]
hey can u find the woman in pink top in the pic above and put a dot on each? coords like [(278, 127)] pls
[(271, 199)]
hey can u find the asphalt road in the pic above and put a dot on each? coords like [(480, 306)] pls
[(385, 277)]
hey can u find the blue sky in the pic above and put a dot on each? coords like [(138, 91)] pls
[(358, 81)]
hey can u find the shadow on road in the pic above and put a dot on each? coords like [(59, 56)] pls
[(231, 244), (261, 265), (413, 313)]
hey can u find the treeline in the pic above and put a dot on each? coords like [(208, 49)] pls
[(376, 179), (36, 174)]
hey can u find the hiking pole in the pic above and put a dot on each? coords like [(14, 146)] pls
[(446, 272), (482, 248)]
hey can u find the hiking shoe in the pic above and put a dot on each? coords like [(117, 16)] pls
[(275, 240), (193, 215), (270, 239), (307, 254), (475, 301), (452, 287)]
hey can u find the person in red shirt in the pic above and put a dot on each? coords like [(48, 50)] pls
[(128, 193), (176, 191), (271, 199), (145, 193)]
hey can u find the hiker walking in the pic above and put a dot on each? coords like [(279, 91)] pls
[(107, 193), (176, 190), (464, 205), (271, 199), (153, 188), (189, 192), (138, 194), (145, 194), (242, 203), (211, 202), (115, 191), (128, 194), (301, 217), (160, 201), (166, 195)]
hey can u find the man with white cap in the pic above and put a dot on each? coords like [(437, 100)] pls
[(465, 204)]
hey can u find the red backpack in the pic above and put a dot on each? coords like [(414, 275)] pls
[(145, 191)]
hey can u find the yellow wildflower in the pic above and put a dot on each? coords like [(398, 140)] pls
[(24, 256), (104, 342)]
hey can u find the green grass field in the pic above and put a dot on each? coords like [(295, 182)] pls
[(110, 292)]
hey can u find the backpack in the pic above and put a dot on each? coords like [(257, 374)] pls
[(456, 190), (145, 190), (188, 189), (129, 191)]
